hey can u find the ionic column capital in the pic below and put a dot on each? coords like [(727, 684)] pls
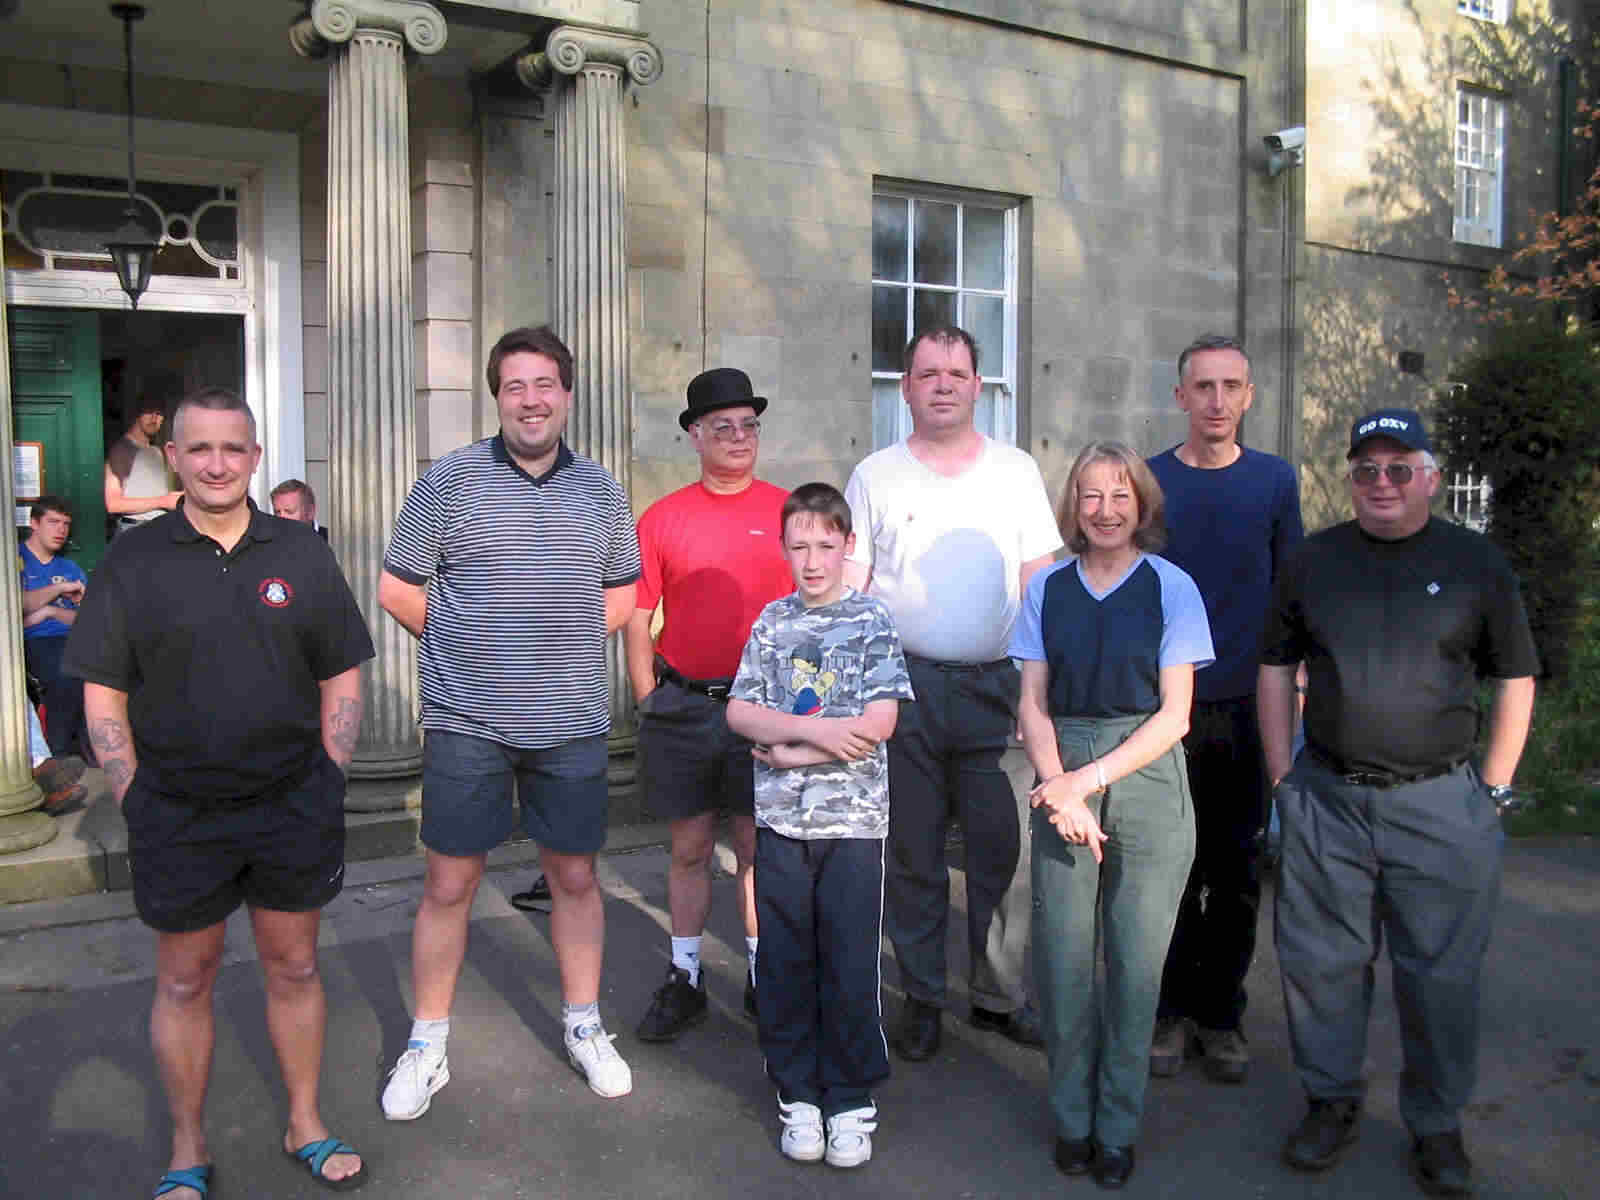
[(571, 49), (329, 22)]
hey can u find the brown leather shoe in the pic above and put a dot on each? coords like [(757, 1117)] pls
[(916, 1037), (1440, 1163), (1324, 1135)]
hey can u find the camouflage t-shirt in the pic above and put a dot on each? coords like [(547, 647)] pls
[(829, 661)]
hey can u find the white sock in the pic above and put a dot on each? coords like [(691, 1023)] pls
[(579, 1016), (686, 957), (750, 949), (430, 1036)]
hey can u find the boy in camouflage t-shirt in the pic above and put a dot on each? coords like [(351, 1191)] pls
[(818, 691)]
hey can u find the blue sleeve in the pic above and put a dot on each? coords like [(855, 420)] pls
[(1027, 635), (1185, 632), (1287, 529)]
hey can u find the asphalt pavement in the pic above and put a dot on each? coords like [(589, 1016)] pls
[(84, 1114)]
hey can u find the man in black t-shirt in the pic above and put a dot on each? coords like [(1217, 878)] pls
[(1389, 829), (221, 651)]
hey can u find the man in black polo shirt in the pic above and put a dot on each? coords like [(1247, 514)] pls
[(220, 650), (1389, 830)]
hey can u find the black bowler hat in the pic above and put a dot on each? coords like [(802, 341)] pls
[(1397, 424), (720, 387)]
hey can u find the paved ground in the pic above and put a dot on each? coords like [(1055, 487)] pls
[(84, 1116)]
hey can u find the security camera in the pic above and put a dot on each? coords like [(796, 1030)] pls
[(1285, 149), (1293, 138)]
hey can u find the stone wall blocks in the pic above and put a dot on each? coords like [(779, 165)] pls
[(316, 428), (814, 51), (444, 421), (657, 237), (313, 225), (777, 90), (758, 356), (314, 367), (669, 301), (443, 217), (740, 304), (444, 355), (664, 362), (656, 434), (442, 155), (442, 285), (313, 292)]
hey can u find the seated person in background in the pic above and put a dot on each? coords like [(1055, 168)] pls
[(60, 779), (52, 588), (136, 485), (293, 500)]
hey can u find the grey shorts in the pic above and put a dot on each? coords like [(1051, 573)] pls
[(690, 762), (470, 786)]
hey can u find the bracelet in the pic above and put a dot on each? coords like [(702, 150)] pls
[(1100, 776)]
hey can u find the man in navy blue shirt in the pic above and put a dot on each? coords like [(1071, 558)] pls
[(1233, 514), (52, 588)]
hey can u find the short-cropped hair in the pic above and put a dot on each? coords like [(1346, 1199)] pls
[(530, 340), (213, 399), (1151, 532), (820, 500), (1213, 341), (49, 504), (290, 486), (944, 335)]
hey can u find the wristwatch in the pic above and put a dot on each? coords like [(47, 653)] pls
[(1501, 794)]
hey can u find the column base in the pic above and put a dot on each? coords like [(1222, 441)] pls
[(396, 763), (25, 831), (20, 796)]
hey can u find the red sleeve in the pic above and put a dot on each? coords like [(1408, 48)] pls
[(647, 593)]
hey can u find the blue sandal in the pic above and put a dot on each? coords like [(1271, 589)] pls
[(198, 1178), (315, 1155)]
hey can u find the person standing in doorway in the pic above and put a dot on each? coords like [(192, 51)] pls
[(137, 487)]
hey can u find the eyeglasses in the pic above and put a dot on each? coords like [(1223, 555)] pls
[(727, 431), (1398, 473)]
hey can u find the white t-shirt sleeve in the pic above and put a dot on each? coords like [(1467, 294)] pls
[(859, 498), (1040, 534), (1185, 631)]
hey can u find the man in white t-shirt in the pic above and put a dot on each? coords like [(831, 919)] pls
[(950, 525)]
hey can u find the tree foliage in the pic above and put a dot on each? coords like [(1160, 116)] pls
[(1529, 419)]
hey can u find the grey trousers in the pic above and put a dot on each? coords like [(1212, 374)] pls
[(1418, 864)]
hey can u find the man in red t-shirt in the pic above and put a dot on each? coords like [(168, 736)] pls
[(712, 555)]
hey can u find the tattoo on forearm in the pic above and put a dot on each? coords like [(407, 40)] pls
[(108, 736), (118, 772), (344, 729)]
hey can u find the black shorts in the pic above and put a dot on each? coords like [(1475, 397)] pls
[(192, 865), (690, 762), (468, 785)]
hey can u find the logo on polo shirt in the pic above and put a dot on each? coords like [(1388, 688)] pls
[(275, 593)]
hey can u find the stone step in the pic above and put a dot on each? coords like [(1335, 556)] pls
[(90, 850)]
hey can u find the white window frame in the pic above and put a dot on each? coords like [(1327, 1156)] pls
[(1493, 11), (1479, 134), (265, 166), (890, 427)]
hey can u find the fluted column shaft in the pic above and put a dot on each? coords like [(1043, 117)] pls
[(20, 828), (371, 395), (591, 70)]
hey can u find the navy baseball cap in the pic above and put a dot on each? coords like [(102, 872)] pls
[(1401, 425)]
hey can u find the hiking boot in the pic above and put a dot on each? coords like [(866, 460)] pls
[(1169, 1047), (412, 1083), (594, 1057), (850, 1136), (1440, 1163), (536, 898), (1225, 1054), (802, 1138), (676, 1006), (56, 774), (1325, 1133), (63, 800)]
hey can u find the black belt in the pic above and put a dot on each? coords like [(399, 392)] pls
[(1379, 779), (955, 666), (717, 689)]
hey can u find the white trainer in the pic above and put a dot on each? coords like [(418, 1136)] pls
[(412, 1083), (802, 1138), (596, 1059), (850, 1136)]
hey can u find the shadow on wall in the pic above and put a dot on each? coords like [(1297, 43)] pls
[(1381, 257)]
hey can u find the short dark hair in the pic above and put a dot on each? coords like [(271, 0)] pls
[(1151, 533), (821, 500), (943, 335), (530, 340), (212, 399), (1213, 341), (49, 504), (294, 485)]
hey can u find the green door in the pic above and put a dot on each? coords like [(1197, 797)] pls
[(55, 400)]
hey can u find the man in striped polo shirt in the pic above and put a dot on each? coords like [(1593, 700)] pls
[(513, 560)]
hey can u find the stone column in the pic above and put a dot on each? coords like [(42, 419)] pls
[(371, 395), (588, 70), (20, 827)]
